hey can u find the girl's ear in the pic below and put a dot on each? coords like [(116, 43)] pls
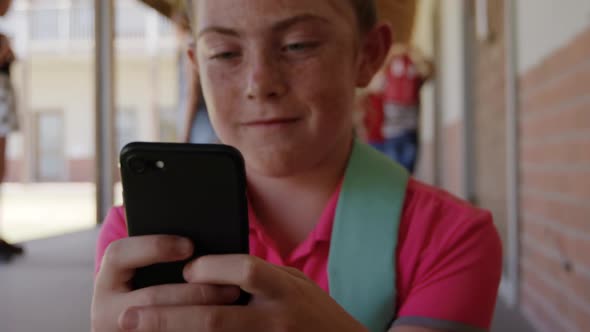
[(376, 45)]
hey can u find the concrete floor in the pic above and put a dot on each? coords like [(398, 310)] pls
[(50, 288)]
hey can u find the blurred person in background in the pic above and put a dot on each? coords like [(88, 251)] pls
[(194, 124), (370, 124), (8, 118), (198, 128), (405, 72)]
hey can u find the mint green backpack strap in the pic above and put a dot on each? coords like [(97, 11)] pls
[(361, 265)]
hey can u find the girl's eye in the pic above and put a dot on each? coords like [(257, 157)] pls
[(298, 47), (225, 55)]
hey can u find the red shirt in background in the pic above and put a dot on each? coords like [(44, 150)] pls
[(374, 118), (403, 81)]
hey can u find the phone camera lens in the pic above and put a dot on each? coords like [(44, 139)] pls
[(137, 165)]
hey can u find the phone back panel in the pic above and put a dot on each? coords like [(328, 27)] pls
[(190, 190)]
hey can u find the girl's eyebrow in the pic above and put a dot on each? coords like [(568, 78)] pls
[(278, 26)]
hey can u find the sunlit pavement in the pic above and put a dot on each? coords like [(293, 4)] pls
[(32, 211)]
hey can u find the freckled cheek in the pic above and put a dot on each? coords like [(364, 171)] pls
[(224, 91), (326, 93)]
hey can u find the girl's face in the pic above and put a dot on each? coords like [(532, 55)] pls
[(279, 77)]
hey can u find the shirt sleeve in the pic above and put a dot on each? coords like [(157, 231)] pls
[(113, 228), (456, 281)]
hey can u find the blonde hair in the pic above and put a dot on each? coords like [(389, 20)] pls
[(365, 10), (366, 14)]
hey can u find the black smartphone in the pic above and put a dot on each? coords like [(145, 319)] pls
[(191, 190)]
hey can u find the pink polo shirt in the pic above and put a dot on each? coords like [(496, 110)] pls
[(449, 258)]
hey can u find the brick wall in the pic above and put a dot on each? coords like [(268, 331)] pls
[(81, 170), (555, 189), (14, 171), (78, 170)]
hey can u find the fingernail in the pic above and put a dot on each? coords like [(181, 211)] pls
[(130, 320), (186, 272)]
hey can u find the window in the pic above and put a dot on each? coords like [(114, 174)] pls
[(126, 125), (50, 157)]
